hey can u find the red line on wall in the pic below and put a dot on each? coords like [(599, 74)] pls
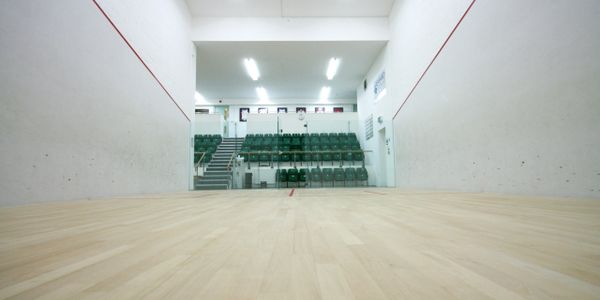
[(140, 58), (435, 57)]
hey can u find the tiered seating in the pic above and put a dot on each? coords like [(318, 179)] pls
[(324, 177), (206, 144), (323, 147)]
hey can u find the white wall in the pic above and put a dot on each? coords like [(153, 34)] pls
[(270, 126), (209, 124), (368, 105), (290, 123), (511, 104), (81, 117), (160, 31)]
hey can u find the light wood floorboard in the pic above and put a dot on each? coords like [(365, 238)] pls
[(317, 244)]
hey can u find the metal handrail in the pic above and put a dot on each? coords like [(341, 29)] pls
[(301, 152), (309, 151), (230, 161), (200, 161)]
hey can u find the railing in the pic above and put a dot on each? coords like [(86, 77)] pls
[(200, 162), (294, 154), (231, 161)]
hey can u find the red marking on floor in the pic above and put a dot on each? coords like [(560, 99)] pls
[(292, 192)]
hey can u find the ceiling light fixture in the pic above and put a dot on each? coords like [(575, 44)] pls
[(262, 94), (332, 68), (252, 68), (324, 95)]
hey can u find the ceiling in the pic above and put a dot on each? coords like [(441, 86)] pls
[(290, 8), (289, 70)]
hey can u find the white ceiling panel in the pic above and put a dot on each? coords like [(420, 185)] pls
[(289, 70), (290, 8)]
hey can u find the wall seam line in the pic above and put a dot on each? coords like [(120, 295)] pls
[(434, 58), (140, 58)]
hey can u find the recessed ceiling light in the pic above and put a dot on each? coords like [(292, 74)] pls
[(324, 95), (262, 94), (252, 68), (332, 68)]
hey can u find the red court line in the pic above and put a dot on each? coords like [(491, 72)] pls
[(140, 59), (435, 57), (292, 192)]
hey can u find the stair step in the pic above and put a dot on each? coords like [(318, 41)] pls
[(211, 186), (217, 173), (216, 177), (212, 181)]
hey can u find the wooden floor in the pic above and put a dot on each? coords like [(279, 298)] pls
[(316, 244)]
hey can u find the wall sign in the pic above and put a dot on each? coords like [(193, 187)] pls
[(379, 85)]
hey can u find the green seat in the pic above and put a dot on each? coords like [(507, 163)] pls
[(253, 157), (336, 156), (361, 174), (307, 157), (285, 157), (327, 175), (316, 175), (338, 174), (348, 156), (263, 157), (293, 175), (358, 156), (327, 156), (302, 175), (317, 157)]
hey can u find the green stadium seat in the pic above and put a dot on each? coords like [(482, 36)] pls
[(316, 176), (327, 175), (362, 175), (339, 175), (293, 175), (350, 175)]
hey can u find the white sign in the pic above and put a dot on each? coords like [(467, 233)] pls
[(379, 86)]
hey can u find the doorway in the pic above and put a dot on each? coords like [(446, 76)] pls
[(383, 163)]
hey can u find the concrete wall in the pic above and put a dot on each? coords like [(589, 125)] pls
[(381, 157), (81, 117), (512, 103), (160, 31)]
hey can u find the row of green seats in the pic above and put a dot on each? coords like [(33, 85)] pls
[(347, 155), (324, 139), (205, 146), (324, 175), (207, 140)]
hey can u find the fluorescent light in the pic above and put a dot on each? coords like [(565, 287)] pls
[(332, 69), (324, 95), (262, 94), (252, 68), (199, 98)]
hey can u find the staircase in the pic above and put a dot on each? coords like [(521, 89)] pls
[(216, 176)]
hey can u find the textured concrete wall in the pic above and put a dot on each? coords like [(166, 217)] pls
[(512, 104), (81, 117)]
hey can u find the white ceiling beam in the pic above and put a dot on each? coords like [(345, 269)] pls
[(289, 29)]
